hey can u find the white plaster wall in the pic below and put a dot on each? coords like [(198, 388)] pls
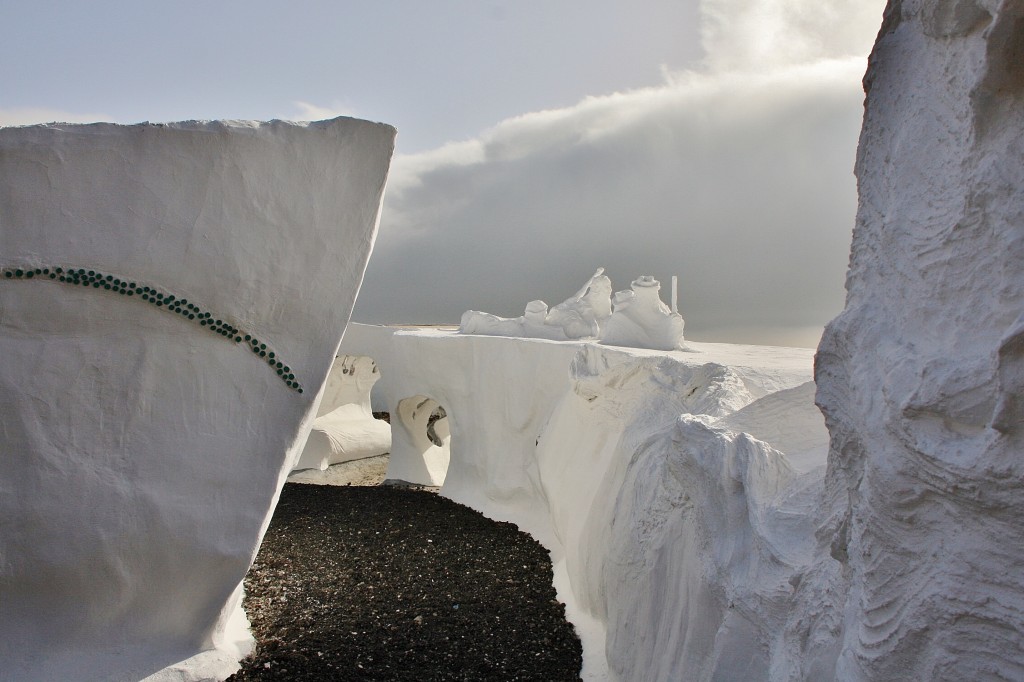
[(919, 377), (143, 454)]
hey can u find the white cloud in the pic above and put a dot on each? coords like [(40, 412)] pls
[(765, 34), (32, 115), (740, 183), (304, 111)]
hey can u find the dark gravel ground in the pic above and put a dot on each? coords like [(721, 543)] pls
[(382, 583)]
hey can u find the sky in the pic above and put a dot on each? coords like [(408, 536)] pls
[(709, 139)]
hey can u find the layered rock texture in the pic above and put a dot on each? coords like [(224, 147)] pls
[(921, 378), (171, 302)]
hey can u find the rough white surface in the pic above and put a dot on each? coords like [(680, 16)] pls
[(345, 429), (920, 377), (143, 454), (676, 537)]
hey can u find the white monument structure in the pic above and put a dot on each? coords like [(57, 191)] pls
[(171, 300), (639, 319)]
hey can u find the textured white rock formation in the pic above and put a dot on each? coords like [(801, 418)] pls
[(920, 377), (144, 449), (344, 428), (661, 483)]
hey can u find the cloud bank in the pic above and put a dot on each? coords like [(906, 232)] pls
[(736, 177)]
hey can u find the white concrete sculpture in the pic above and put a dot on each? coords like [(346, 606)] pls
[(578, 317), (641, 320), (920, 377), (171, 299), (531, 324), (345, 428), (581, 315), (424, 460)]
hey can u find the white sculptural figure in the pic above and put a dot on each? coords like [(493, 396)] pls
[(581, 315), (641, 320), (578, 317)]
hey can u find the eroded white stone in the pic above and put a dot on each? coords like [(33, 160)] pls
[(920, 376)]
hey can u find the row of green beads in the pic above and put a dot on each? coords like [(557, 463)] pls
[(159, 299)]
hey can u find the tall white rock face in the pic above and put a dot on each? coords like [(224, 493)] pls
[(920, 377), (143, 452)]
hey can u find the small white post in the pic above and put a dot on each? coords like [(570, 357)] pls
[(675, 294)]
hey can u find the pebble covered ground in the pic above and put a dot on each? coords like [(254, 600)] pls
[(388, 583)]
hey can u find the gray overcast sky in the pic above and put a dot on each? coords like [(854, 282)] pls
[(538, 140)]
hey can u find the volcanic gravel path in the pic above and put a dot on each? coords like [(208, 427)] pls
[(383, 583)]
